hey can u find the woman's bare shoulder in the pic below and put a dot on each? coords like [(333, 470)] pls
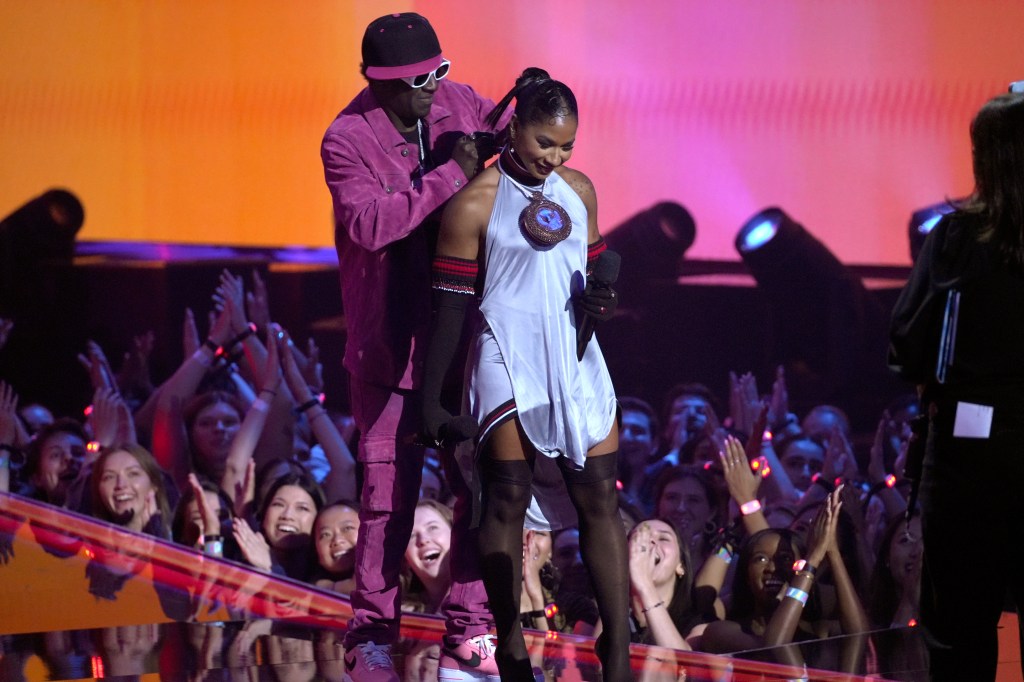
[(466, 216), (476, 197), (579, 182)]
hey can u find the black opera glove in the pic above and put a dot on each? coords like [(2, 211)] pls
[(597, 300), (435, 420)]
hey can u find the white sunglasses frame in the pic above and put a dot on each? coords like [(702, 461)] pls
[(410, 80)]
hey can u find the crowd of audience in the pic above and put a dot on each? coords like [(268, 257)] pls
[(749, 526)]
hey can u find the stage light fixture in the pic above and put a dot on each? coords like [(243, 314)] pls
[(38, 234), (922, 222), (823, 324), (652, 243)]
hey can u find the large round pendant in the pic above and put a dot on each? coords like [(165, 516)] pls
[(544, 222)]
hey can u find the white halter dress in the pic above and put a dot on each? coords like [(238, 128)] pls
[(523, 359)]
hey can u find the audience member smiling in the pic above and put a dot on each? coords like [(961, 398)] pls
[(334, 534), (128, 489), (426, 557)]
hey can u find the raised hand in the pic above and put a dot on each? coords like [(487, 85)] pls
[(95, 363), (744, 401), (821, 540), (8, 414), (755, 441), (230, 297), (220, 326), (900, 464), (735, 402), (253, 545), (642, 561), (778, 405), (103, 419), (313, 369), (293, 377), (876, 461), (269, 378), (741, 480), (244, 494), (257, 303), (839, 460), (133, 379), (189, 334), (208, 523)]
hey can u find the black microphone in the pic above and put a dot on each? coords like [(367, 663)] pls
[(604, 274), (452, 432), (457, 430)]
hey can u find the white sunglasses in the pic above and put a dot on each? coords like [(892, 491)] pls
[(439, 73)]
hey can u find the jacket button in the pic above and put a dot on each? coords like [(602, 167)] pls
[(388, 190), (405, 152), (458, 183)]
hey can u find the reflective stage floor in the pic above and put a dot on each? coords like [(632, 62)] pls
[(81, 599)]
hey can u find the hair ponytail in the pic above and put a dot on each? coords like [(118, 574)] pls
[(530, 76)]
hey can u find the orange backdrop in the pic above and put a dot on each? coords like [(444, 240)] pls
[(201, 121)]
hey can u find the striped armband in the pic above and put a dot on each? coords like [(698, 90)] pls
[(593, 251), (457, 275)]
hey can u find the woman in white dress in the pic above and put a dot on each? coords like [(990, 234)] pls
[(523, 237)]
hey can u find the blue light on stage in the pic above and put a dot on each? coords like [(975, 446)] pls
[(930, 224), (759, 234)]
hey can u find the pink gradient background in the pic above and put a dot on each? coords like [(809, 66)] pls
[(201, 122)]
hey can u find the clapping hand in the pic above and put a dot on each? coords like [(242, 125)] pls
[(95, 363), (821, 540), (642, 560), (257, 302), (744, 402), (839, 460), (207, 523), (133, 379), (229, 298), (741, 479), (254, 546), (110, 419), (876, 462), (8, 414), (778, 405)]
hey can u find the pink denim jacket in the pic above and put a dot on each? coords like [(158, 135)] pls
[(385, 226)]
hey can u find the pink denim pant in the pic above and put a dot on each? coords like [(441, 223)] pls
[(388, 420)]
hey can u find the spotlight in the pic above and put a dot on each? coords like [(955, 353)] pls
[(922, 222), (824, 326), (39, 233), (652, 243), (771, 242)]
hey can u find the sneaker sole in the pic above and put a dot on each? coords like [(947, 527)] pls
[(458, 675)]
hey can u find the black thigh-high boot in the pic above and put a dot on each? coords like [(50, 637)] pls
[(506, 495), (603, 546)]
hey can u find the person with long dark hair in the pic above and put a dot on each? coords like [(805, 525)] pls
[(958, 333), (525, 232), (773, 584), (661, 577)]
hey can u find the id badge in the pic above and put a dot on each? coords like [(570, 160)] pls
[(972, 420)]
